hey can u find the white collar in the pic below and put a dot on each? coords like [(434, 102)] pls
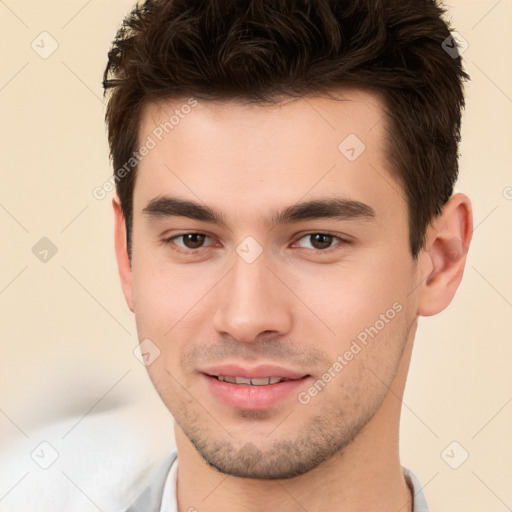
[(169, 501)]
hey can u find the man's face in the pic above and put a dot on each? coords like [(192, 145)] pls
[(272, 292)]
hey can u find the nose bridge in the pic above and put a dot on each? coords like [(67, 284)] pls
[(250, 301), (248, 290)]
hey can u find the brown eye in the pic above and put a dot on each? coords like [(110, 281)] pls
[(319, 241), (187, 242), (193, 240)]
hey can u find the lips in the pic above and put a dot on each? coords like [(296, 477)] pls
[(262, 371), (256, 388)]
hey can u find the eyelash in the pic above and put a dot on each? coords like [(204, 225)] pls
[(342, 241)]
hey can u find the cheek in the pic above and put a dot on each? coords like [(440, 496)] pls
[(352, 295), (165, 293), (367, 307), (365, 357)]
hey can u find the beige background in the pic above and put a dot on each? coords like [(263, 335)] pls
[(68, 375)]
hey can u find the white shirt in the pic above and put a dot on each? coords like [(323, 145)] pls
[(170, 504), (169, 501)]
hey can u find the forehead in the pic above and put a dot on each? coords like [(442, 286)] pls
[(240, 158), (303, 119)]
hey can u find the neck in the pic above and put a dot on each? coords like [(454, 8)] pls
[(365, 476)]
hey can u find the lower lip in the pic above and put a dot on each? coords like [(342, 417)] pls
[(244, 396)]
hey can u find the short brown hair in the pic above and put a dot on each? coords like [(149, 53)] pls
[(260, 50)]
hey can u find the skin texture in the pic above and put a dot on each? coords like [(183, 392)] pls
[(293, 306)]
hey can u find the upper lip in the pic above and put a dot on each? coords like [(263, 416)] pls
[(255, 372)]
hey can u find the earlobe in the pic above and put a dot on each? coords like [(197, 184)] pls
[(123, 260), (448, 240)]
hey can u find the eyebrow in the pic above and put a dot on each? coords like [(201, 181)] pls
[(336, 208)]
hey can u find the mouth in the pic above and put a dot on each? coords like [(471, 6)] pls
[(256, 388), (264, 381)]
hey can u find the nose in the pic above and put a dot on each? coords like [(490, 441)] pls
[(252, 301)]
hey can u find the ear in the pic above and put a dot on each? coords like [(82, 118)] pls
[(123, 261), (444, 257)]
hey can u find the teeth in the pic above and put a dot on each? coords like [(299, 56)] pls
[(260, 382), (251, 382), (242, 380)]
